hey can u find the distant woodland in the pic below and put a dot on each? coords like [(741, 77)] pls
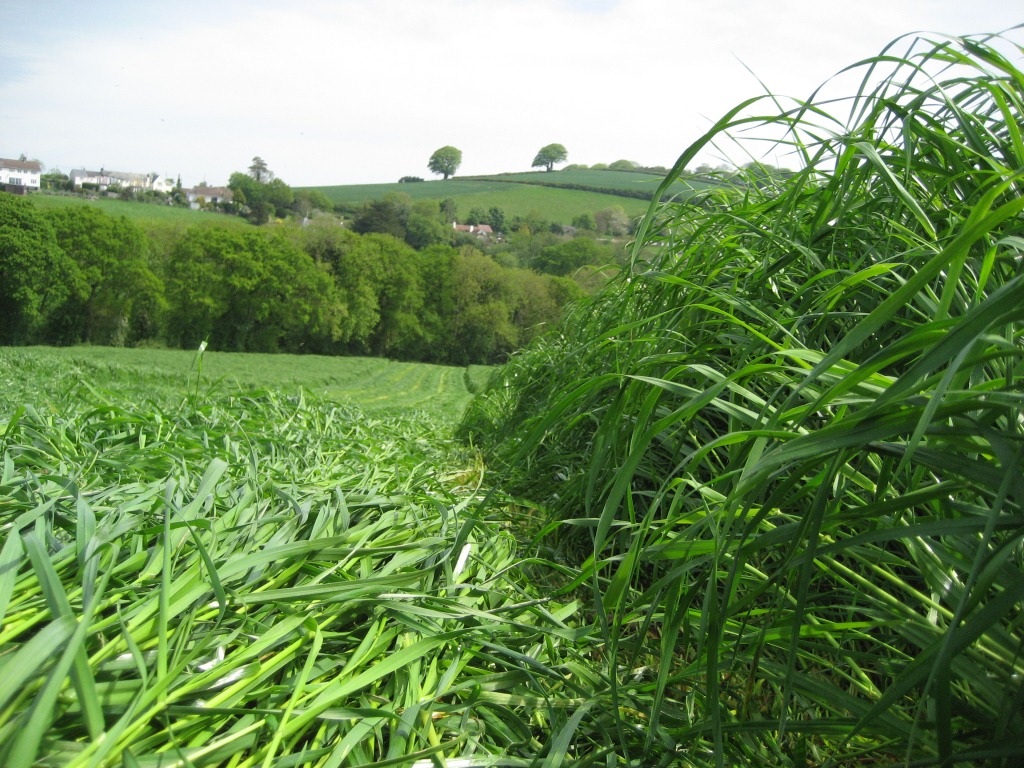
[(77, 275)]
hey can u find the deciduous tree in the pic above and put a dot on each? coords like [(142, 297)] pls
[(445, 161), (36, 276), (549, 155)]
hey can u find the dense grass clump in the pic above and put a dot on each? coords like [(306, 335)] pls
[(784, 450)]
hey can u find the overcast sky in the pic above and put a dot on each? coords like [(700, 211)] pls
[(363, 91)]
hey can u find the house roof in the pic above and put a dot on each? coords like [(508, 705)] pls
[(224, 192), (20, 165)]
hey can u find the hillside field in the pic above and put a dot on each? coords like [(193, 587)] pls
[(559, 205), (139, 212)]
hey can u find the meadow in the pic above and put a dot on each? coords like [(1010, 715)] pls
[(559, 205), (142, 213), (757, 502)]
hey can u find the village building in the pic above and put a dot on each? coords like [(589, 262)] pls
[(19, 176), (136, 182), (483, 231), (201, 194)]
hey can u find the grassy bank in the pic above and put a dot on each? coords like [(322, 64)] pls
[(785, 450)]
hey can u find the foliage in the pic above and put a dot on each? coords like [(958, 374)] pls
[(783, 451), (612, 220), (623, 165), (445, 161), (549, 155), (120, 300), (259, 172), (567, 257), (36, 276), (248, 291)]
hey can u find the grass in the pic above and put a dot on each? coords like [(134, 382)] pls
[(758, 503), (371, 383), (628, 181), (140, 213), (557, 205), (782, 453), (256, 578)]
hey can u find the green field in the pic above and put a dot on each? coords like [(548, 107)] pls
[(758, 502), (138, 212), (197, 575), (371, 383), (628, 181), (558, 205)]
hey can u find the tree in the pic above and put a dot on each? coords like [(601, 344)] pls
[(445, 161), (120, 300), (496, 218), (623, 165), (549, 155), (259, 171), (36, 276), (612, 221)]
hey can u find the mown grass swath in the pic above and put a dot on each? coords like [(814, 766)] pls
[(262, 580), (784, 449)]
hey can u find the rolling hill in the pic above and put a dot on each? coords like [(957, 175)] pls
[(558, 196)]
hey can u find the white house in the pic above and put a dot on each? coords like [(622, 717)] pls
[(483, 231), (20, 173), (210, 195), (133, 181)]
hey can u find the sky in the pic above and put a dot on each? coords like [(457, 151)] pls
[(363, 91)]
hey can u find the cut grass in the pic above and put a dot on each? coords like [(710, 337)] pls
[(29, 373), (256, 579)]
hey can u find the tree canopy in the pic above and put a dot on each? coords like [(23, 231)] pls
[(445, 160), (549, 155)]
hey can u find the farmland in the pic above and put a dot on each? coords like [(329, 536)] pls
[(143, 213), (263, 574), (757, 502), (558, 205), (374, 384)]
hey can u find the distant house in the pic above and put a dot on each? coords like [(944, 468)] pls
[(483, 231), (209, 195), (136, 182), (19, 176)]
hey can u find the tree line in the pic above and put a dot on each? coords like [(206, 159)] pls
[(76, 275)]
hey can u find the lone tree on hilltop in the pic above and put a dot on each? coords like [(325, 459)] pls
[(549, 155), (446, 160)]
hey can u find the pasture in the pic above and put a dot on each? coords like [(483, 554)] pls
[(140, 213), (559, 205)]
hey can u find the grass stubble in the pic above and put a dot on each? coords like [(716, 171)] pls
[(775, 468)]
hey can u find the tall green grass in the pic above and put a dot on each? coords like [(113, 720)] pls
[(782, 454)]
